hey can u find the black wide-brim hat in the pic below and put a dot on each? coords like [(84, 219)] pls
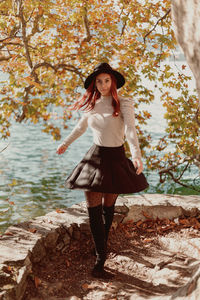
[(105, 68)]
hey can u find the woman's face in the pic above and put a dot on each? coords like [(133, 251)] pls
[(103, 84)]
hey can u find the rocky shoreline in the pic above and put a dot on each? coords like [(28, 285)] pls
[(26, 244)]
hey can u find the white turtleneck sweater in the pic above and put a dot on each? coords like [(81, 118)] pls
[(108, 130)]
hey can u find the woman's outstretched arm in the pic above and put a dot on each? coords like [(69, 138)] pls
[(78, 130)]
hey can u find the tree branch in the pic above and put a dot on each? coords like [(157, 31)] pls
[(169, 170), (21, 117), (87, 28), (35, 28), (182, 184), (124, 26), (24, 37), (154, 27), (5, 148), (5, 58), (186, 159), (67, 67), (11, 43), (197, 115)]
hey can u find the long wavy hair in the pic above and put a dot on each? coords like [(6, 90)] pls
[(88, 100)]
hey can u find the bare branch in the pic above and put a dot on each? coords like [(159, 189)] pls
[(4, 148), (169, 170), (154, 27), (182, 184)]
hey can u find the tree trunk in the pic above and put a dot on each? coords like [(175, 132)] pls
[(186, 19)]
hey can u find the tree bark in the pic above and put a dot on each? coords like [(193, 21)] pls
[(186, 20)]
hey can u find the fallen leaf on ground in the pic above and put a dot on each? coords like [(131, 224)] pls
[(33, 230), (184, 221), (37, 281), (86, 286), (146, 215), (139, 223), (147, 240), (9, 233), (67, 263), (59, 211)]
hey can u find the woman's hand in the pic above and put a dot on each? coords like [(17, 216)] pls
[(138, 165), (61, 149)]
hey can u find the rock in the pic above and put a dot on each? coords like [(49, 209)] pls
[(38, 252), (158, 211), (60, 246), (29, 242), (118, 218), (183, 245), (76, 233), (66, 239), (51, 239)]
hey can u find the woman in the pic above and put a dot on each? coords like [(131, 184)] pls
[(105, 171)]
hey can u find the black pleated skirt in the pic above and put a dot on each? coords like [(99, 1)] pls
[(106, 170)]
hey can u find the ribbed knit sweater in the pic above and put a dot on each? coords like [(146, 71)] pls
[(108, 130)]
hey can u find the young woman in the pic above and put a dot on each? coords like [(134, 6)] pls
[(105, 171)]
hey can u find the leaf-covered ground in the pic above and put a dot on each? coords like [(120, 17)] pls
[(141, 265)]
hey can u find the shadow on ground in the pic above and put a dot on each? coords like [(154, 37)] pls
[(142, 268)]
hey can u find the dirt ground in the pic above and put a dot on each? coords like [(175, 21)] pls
[(142, 268)]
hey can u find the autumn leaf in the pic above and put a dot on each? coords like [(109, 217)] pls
[(147, 240), (156, 46), (139, 223), (37, 281), (184, 221), (9, 268), (32, 82), (33, 230), (55, 64), (13, 183), (59, 211), (9, 233), (67, 263), (150, 230), (87, 286), (146, 215)]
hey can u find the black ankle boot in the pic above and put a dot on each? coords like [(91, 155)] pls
[(108, 214)]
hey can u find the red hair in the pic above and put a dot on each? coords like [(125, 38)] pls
[(87, 102)]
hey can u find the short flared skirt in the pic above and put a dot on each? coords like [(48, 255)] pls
[(106, 170)]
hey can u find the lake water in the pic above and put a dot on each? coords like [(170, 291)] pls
[(32, 174)]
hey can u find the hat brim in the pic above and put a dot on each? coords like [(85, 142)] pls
[(119, 78)]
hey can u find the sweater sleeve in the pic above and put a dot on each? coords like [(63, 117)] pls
[(77, 131), (128, 114)]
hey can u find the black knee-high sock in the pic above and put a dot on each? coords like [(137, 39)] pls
[(98, 234), (108, 213)]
